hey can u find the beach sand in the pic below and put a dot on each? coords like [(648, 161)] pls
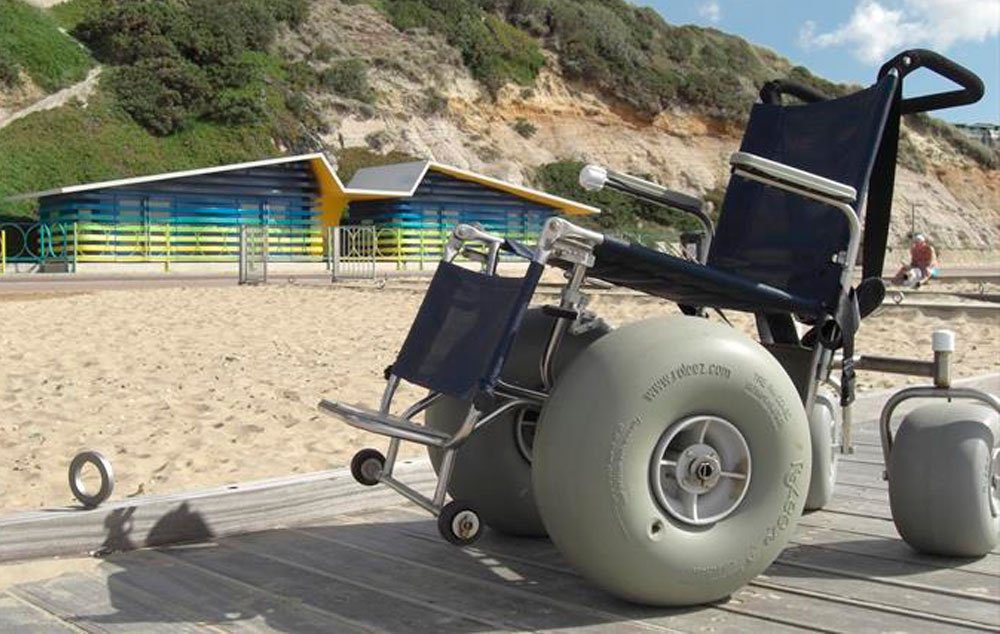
[(190, 387)]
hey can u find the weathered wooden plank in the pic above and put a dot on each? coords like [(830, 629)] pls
[(410, 540), (878, 538), (204, 598), (17, 615), (196, 515), (841, 613), (429, 581), (371, 607), (851, 576), (89, 603), (784, 606)]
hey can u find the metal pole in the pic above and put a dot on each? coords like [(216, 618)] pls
[(3, 252), (76, 245), (335, 252)]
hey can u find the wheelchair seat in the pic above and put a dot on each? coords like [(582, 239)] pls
[(690, 283), (777, 250)]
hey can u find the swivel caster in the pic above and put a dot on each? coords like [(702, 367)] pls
[(367, 466), (459, 524)]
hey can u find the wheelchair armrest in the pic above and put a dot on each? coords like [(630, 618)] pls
[(595, 178), (773, 172)]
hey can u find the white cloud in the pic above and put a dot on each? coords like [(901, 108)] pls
[(878, 29), (711, 11)]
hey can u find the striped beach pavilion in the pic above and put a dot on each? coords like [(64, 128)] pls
[(195, 215)]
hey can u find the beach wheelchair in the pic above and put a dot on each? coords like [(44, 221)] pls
[(669, 459)]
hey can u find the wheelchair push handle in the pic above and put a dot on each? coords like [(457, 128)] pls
[(773, 91), (909, 61), (595, 178)]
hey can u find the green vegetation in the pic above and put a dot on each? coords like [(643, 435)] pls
[(525, 128), (70, 14), (174, 63), (76, 145), (926, 124), (494, 51), (348, 78), (10, 74), (30, 40), (620, 214)]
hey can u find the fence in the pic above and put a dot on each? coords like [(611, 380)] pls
[(38, 243), (254, 254), (356, 251)]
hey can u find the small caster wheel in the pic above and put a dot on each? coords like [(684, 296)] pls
[(459, 524), (367, 466)]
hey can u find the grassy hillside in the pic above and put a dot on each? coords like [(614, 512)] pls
[(75, 145), (30, 40)]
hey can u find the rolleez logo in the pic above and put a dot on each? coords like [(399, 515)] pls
[(788, 508), (684, 371)]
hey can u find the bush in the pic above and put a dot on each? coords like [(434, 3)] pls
[(10, 74), (182, 60), (348, 78), (525, 128), (494, 51), (163, 95)]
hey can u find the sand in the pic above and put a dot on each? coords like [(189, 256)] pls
[(192, 387)]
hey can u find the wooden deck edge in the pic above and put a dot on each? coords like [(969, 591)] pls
[(205, 514), (199, 515)]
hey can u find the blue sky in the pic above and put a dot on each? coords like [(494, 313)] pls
[(847, 40)]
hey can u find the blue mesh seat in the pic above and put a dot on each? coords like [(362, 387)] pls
[(464, 329), (774, 251)]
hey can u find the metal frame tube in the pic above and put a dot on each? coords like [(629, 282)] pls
[(885, 419)]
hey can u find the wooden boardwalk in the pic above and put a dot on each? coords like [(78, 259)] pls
[(384, 568)]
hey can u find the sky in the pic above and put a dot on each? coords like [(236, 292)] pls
[(848, 40)]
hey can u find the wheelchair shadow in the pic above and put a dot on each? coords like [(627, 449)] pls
[(387, 575), (871, 557)]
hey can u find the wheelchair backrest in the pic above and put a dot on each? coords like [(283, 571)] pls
[(779, 238)]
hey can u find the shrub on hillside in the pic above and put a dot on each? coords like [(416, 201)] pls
[(494, 51), (348, 78), (182, 60), (525, 128), (10, 74), (163, 94)]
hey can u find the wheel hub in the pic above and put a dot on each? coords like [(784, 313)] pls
[(700, 470), (372, 469), (465, 524)]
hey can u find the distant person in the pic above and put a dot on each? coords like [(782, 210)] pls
[(922, 266)]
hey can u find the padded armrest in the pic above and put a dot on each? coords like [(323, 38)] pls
[(793, 177)]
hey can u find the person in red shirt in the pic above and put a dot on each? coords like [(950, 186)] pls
[(923, 263)]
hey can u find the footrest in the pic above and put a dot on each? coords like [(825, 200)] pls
[(385, 424)]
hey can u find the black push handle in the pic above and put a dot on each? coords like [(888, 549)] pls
[(909, 61), (772, 91)]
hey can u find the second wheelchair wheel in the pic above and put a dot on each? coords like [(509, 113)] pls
[(824, 431), (944, 479), (672, 461), (493, 468)]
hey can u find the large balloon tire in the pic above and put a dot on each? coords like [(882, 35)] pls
[(824, 430), (492, 469), (596, 449), (943, 479)]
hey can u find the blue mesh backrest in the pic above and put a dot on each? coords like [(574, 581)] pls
[(781, 239), (464, 329)]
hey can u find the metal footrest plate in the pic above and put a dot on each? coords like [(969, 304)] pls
[(385, 424)]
